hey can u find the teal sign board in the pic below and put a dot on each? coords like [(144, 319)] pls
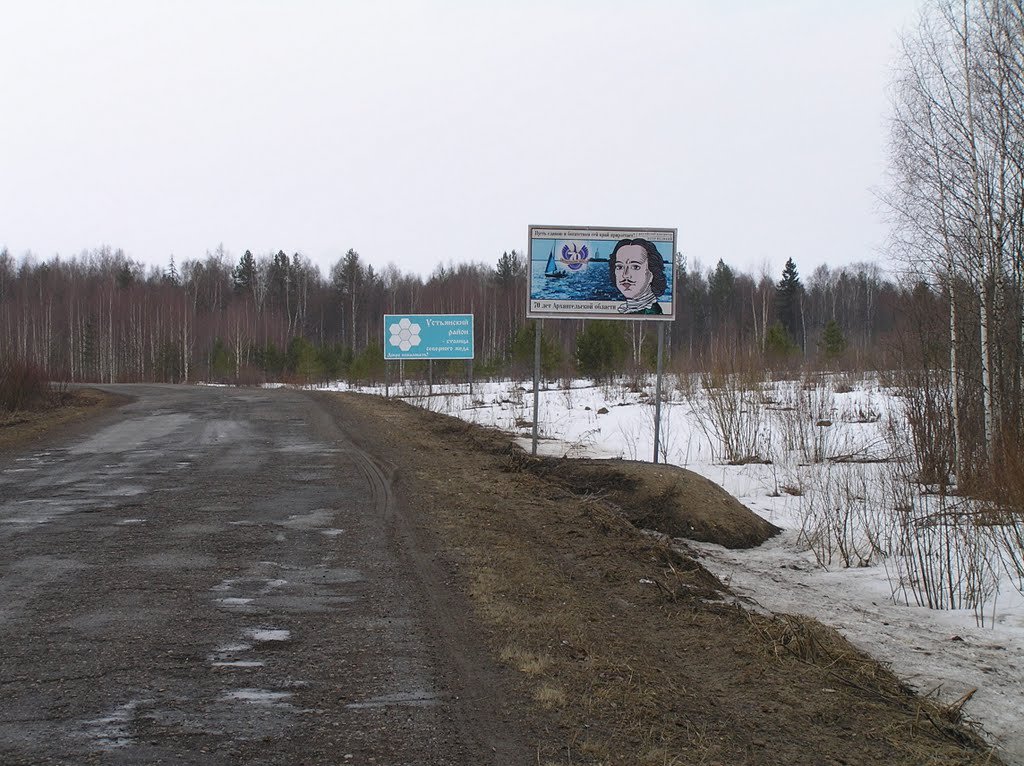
[(428, 336)]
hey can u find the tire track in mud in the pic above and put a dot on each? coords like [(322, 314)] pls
[(476, 683)]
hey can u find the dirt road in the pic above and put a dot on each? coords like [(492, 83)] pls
[(216, 576)]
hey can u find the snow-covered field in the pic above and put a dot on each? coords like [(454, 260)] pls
[(821, 460)]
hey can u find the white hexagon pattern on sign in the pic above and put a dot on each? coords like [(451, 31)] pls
[(405, 334)]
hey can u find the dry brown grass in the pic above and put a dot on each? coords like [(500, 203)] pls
[(22, 428)]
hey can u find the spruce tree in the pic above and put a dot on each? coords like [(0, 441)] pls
[(244, 274), (788, 295)]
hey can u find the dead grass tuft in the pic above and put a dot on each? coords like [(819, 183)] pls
[(550, 697), (530, 663)]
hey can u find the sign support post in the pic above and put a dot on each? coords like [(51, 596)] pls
[(657, 389), (387, 393), (536, 381)]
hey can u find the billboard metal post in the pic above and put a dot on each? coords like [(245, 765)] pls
[(470, 377), (430, 377), (387, 393), (536, 380), (657, 390)]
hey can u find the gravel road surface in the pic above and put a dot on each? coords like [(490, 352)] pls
[(215, 575)]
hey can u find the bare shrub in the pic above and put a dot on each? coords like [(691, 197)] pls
[(22, 386), (728, 406), (1008, 516), (943, 557), (631, 430), (805, 417), (841, 520), (928, 411)]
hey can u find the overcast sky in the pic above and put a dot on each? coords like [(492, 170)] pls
[(422, 133)]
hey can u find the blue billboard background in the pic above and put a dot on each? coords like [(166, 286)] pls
[(428, 336)]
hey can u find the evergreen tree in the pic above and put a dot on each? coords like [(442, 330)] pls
[(721, 292), (171, 276), (222, 363), (601, 348), (347, 276), (125, 275), (243, 277), (523, 350), (777, 342), (788, 303), (833, 342), (280, 278), (303, 359), (508, 269)]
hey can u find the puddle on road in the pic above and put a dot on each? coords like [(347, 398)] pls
[(236, 604), (131, 435), (261, 586), (128, 522), (113, 731), (229, 648), (328, 576), (128, 490), (305, 448), (258, 697), (312, 520), (227, 656), (268, 634), (332, 532), (38, 511), (415, 698)]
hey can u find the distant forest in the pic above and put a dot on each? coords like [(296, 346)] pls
[(102, 317)]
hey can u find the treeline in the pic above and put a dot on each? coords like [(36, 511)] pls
[(104, 317)]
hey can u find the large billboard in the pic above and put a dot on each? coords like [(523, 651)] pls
[(601, 273), (428, 336)]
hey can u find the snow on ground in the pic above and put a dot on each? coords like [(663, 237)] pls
[(943, 653)]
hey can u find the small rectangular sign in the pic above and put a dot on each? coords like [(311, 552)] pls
[(428, 336), (601, 273)]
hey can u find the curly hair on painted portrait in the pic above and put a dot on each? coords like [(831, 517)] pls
[(637, 271)]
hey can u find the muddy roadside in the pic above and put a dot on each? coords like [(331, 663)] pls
[(637, 653), (62, 415)]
